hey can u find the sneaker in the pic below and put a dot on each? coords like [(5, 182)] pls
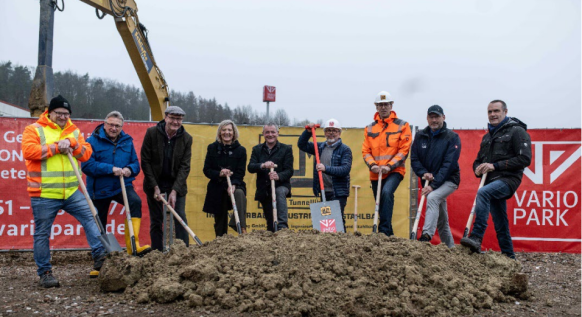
[(47, 280), (98, 263), (472, 242), (425, 238)]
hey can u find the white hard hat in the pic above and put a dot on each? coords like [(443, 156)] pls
[(332, 123), (383, 96)]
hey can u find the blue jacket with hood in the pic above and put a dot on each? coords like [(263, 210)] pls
[(101, 183)]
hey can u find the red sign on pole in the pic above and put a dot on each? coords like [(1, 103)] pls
[(269, 93)]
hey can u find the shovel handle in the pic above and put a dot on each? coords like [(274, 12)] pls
[(356, 207), (192, 234), (418, 212), (128, 216), (378, 191), (274, 201), (472, 214), (235, 211), (317, 159), (84, 190)]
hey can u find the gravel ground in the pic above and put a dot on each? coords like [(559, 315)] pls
[(554, 285)]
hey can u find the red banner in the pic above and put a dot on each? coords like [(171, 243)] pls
[(544, 213), (16, 220), (269, 93)]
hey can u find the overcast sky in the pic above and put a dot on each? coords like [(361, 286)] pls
[(331, 58)]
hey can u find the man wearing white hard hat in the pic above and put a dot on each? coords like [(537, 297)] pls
[(335, 162), (386, 144)]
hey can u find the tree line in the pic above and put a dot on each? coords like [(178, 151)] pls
[(94, 98)]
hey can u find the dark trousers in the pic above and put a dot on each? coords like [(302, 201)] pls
[(157, 222), (329, 196), (221, 222), (389, 186), (102, 205)]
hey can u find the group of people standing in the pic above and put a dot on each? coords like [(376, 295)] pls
[(166, 154)]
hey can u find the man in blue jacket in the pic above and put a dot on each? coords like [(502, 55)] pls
[(114, 155), (335, 163), (435, 157)]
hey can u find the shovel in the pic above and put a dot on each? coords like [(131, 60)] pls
[(235, 211), (472, 214), (107, 239), (275, 222), (326, 215), (356, 208), (378, 191), (192, 234), (417, 217), (127, 213)]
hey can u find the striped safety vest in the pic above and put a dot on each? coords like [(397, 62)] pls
[(50, 174)]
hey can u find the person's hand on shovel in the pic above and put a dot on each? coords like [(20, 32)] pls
[(172, 199), (320, 167), (385, 169), (126, 172), (375, 169), (157, 194), (267, 165), (117, 171), (225, 172), (65, 146), (273, 176)]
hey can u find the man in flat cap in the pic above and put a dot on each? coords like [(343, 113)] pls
[(165, 160)]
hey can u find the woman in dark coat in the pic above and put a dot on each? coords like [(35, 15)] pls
[(225, 157)]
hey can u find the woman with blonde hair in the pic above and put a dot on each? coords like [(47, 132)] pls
[(225, 157)]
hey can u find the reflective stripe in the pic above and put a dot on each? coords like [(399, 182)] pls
[(383, 157), (367, 155), (33, 184), (52, 174), (78, 156), (402, 156), (60, 185), (44, 152)]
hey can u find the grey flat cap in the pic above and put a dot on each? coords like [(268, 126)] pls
[(175, 110)]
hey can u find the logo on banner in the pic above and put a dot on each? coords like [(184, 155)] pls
[(327, 225), (561, 154)]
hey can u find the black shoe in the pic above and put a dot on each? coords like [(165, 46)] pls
[(472, 242), (98, 263), (47, 280), (425, 238)]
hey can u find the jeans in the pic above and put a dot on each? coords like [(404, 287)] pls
[(281, 201), (221, 222), (492, 198), (389, 186), (157, 221), (329, 196), (436, 216), (45, 210), (102, 205)]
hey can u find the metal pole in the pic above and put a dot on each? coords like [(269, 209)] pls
[(267, 112), (43, 85)]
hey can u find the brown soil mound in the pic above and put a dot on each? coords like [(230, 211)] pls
[(312, 274)]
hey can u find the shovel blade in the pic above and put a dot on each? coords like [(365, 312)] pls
[(110, 243), (327, 216)]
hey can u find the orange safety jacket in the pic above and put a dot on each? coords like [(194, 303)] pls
[(50, 174), (387, 142)]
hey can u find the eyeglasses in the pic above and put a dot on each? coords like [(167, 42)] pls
[(111, 125), (331, 131), (177, 119), (384, 105), (62, 114)]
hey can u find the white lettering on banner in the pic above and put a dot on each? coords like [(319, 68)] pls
[(538, 156), (9, 204), (13, 174), (547, 196), (547, 215), (13, 156), (10, 138), (543, 215), (110, 228)]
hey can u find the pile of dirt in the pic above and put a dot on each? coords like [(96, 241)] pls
[(310, 274)]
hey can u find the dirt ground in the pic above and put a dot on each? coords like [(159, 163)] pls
[(298, 274)]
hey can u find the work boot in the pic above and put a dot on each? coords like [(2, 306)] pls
[(243, 230), (47, 280), (425, 238), (141, 251), (472, 242), (97, 264)]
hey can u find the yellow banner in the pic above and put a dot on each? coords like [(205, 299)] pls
[(302, 182)]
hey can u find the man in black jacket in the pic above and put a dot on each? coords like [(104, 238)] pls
[(505, 152), (435, 157), (265, 156), (165, 160)]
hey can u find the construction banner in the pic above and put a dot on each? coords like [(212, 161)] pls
[(17, 224), (544, 212)]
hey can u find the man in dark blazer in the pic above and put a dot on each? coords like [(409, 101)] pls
[(165, 160), (264, 157)]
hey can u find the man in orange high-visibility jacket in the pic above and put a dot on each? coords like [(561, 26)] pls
[(53, 185), (386, 144)]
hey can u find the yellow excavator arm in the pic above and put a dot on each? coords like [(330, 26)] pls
[(124, 13)]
